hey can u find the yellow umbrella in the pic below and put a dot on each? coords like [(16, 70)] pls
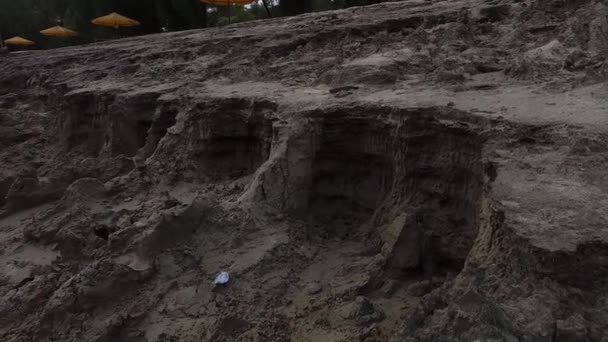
[(115, 20), (59, 31), (228, 2), (18, 41)]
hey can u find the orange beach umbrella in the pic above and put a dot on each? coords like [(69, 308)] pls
[(59, 31), (18, 41), (115, 20)]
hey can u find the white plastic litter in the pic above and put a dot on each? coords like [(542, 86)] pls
[(222, 278)]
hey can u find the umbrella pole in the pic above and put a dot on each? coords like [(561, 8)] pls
[(267, 10), (229, 12)]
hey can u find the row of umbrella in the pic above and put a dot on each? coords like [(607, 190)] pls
[(114, 20)]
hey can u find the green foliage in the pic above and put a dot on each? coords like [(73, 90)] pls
[(220, 16)]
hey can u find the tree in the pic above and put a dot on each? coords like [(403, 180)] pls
[(181, 14), (295, 7)]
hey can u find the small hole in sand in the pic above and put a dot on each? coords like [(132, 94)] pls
[(102, 232)]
